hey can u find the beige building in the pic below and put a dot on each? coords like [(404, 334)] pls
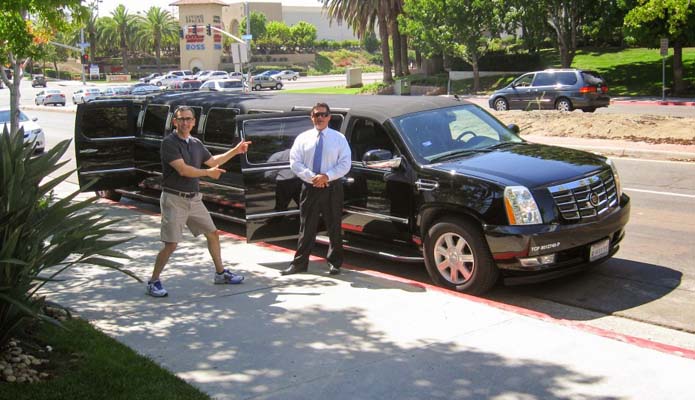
[(202, 51)]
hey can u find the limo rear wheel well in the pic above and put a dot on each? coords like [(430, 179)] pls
[(457, 256)]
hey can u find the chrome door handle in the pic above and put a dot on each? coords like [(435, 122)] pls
[(425, 185)]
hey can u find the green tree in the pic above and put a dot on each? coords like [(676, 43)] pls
[(258, 24), (120, 28), (25, 25), (565, 18), (363, 16), (651, 20), (460, 28), (153, 29), (303, 35), (370, 43), (277, 35)]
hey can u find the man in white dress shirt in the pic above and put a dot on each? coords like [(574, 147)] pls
[(320, 157)]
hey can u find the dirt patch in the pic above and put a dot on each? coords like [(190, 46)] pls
[(638, 128)]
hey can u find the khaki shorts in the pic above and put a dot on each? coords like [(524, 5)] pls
[(178, 211)]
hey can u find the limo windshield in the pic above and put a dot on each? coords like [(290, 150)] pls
[(433, 135)]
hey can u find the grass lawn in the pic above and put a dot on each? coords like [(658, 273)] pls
[(87, 364)]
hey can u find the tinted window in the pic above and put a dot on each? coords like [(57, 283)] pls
[(105, 122), (524, 80), (155, 120), (220, 126), (231, 84), (566, 78), (271, 136), (592, 78), (544, 79)]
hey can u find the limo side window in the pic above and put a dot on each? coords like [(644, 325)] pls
[(368, 135), (155, 123), (220, 126), (106, 122), (272, 136)]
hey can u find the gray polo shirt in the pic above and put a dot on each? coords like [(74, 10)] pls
[(193, 153)]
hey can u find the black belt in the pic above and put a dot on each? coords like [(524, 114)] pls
[(185, 195)]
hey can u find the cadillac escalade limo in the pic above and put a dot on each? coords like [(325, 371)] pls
[(433, 179)]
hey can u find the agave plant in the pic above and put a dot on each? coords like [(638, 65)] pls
[(40, 236)]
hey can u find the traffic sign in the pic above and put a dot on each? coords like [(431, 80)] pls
[(247, 37), (83, 45), (664, 47)]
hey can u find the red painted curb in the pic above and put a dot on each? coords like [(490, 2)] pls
[(653, 102)]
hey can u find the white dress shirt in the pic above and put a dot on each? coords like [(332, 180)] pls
[(335, 161)]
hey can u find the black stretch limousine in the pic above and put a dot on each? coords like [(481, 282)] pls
[(432, 178)]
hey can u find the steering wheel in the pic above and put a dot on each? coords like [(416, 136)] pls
[(465, 133)]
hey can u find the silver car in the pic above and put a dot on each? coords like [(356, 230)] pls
[(259, 82), (32, 130)]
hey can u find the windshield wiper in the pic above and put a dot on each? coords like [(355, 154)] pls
[(503, 144), (454, 154)]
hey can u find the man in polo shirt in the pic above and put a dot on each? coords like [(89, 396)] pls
[(181, 203)]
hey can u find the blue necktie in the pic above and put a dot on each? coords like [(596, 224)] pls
[(318, 155)]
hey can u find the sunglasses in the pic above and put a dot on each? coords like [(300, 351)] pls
[(320, 114)]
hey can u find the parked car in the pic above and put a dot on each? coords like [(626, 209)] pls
[(38, 80), (149, 77), (213, 75), (433, 179), (182, 73), (144, 89), (561, 89), (112, 91), (85, 95), (265, 82), (237, 75), (269, 72), (167, 79), (49, 96), (286, 75), (185, 85), (223, 85), (32, 130)]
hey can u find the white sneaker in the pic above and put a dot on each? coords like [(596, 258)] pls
[(227, 277), (155, 289)]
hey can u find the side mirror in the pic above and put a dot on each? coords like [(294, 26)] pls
[(514, 128), (380, 159)]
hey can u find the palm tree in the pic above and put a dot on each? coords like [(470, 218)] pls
[(92, 36), (119, 28), (154, 29), (361, 16)]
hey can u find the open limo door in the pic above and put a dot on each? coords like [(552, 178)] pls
[(105, 138), (272, 190)]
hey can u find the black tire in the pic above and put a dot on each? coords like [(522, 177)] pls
[(501, 104), (109, 194), (563, 104), (258, 87), (589, 109), (278, 86), (294, 78), (457, 257)]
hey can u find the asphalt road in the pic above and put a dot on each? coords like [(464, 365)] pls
[(650, 283)]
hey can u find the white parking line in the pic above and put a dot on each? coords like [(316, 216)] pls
[(689, 196)]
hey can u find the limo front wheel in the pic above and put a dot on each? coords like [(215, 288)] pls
[(457, 257)]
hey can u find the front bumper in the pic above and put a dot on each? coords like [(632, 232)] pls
[(570, 243)]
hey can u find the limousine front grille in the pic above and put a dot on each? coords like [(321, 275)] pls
[(586, 198)]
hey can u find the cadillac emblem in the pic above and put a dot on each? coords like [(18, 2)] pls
[(593, 199)]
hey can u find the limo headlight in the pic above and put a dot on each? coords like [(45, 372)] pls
[(521, 206), (616, 177)]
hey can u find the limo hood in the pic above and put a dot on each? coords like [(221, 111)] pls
[(524, 164)]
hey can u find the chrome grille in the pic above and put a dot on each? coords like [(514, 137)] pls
[(585, 198)]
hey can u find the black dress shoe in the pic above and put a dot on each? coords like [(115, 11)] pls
[(292, 269), (333, 270)]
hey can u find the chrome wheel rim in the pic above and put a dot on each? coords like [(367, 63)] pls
[(454, 258), (563, 105), (500, 105)]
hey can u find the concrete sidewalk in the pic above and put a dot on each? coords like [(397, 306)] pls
[(358, 335)]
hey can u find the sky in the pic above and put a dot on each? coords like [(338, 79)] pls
[(133, 6)]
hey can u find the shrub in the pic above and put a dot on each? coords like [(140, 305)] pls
[(40, 237)]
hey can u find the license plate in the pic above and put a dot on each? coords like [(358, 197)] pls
[(599, 250)]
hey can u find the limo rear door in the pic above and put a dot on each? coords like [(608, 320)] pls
[(105, 144), (272, 190)]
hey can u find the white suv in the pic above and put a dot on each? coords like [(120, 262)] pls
[(84, 95)]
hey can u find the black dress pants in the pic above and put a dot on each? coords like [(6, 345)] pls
[(314, 203)]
